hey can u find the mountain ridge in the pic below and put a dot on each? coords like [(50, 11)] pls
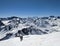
[(29, 26)]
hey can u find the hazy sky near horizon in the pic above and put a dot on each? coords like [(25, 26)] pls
[(25, 8)]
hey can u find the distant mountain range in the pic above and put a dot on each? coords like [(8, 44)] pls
[(10, 26)]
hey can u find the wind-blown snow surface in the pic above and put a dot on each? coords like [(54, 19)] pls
[(52, 39)]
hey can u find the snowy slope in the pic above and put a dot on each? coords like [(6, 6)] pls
[(52, 39)]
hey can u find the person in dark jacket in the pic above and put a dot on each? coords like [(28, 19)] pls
[(20, 35)]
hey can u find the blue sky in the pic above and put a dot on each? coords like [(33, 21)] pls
[(25, 8)]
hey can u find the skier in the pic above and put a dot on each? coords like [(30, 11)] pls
[(20, 35)]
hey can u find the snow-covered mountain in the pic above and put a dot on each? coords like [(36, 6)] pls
[(10, 26)]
